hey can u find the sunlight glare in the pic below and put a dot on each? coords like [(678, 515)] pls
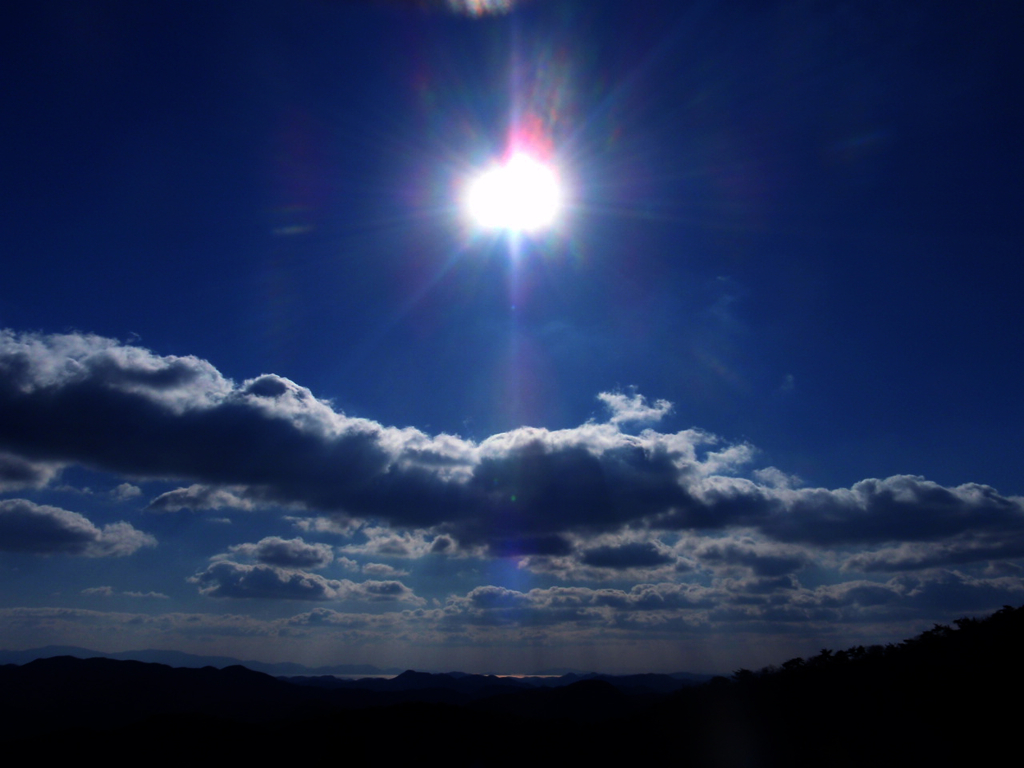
[(522, 195)]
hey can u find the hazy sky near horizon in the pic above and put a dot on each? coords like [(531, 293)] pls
[(266, 391)]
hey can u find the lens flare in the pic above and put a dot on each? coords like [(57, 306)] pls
[(520, 195)]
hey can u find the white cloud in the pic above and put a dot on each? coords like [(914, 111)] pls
[(633, 408), (776, 478), (126, 491)]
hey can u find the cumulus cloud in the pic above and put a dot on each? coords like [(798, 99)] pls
[(970, 547), (761, 558), (633, 408), (126, 491), (286, 553), (776, 478), (45, 530), (17, 473), (391, 543), (336, 525), (899, 508), (347, 563), (632, 555), (383, 571), (84, 399), (224, 578)]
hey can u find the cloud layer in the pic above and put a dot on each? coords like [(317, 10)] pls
[(607, 534), (82, 399)]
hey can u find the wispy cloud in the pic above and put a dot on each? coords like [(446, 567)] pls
[(108, 591), (199, 497)]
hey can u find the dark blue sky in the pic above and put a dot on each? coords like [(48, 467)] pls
[(797, 223)]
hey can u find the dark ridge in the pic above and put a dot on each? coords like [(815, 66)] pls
[(945, 696), (191, 660)]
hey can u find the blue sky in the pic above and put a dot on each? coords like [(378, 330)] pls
[(266, 391)]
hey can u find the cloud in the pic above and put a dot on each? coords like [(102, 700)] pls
[(411, 544), (111, 592), (286, 553), (99, 591), (776, 478), (126, 491), (45, 530), (899, 508), (970, 547), (17, 473), (336, 525), (234, 580), (763, 559), (71, 625), (197, 497), (873, 511), (577, 605), (633, 555), (383, 571), (631, 408), (92, 401)]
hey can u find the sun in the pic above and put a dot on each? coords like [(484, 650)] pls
[(522, 194)]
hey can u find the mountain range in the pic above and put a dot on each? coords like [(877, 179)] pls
[(945, 696)]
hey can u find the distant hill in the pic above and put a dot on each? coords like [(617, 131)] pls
[(189, 660), (286, 669)]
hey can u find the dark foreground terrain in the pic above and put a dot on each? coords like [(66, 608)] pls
[(950, 695)]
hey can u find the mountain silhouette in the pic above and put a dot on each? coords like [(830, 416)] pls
[(943, 696)]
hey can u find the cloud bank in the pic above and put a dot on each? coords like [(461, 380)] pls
[(87, 400), (611, 531)]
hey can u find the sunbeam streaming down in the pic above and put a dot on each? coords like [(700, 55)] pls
[(520, 195)]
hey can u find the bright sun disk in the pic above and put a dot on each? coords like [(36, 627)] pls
[(522, 195)]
